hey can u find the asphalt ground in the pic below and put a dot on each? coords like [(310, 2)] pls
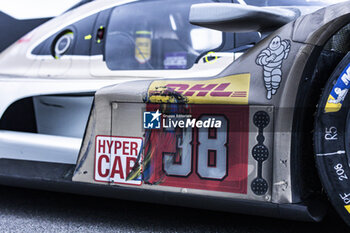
[(25, 210)]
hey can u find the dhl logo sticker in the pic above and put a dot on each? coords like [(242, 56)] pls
[(214, 90), (232, 89)]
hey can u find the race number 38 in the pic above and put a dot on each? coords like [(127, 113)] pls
[(214, 159), (212, 153), (115, 157)]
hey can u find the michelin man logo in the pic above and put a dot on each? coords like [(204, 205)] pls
[(339, 92), (341, 95), (271, 60)]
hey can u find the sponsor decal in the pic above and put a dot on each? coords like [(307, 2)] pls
[(232, 89), (143, 46), (339, 92), (176, 60), (271, 60), (115, 157)]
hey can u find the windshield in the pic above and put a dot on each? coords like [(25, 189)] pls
[(289, 2), (156, 35)]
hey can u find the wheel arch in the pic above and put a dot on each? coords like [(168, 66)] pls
[(327, 53)]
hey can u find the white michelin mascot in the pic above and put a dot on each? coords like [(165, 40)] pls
[(271, 59), (341, 95)]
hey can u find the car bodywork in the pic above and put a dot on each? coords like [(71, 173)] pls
[(23, 24), (263, 104)]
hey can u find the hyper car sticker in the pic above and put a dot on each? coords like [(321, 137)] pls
[(115, 157), (339, 92), (232, 89), (271, 60)]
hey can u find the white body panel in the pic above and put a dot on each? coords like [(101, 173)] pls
[(42, 146), (38, 147), (62, 116)]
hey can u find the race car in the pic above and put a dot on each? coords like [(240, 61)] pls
[(235, 106)]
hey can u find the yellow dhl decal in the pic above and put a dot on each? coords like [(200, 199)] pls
[(233, 89)]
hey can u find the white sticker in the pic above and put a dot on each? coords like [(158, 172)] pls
[(115, 157)]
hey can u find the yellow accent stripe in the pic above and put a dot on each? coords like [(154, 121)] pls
[(143, 32)]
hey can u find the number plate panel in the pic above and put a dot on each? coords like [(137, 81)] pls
[(243, 168), (201, 158)]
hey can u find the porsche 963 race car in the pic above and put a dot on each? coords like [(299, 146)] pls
[(235, 106)]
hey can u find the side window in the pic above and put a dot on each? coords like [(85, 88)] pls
[(156, 35), (72, 40)]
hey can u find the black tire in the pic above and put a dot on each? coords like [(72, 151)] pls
[(332, 141)]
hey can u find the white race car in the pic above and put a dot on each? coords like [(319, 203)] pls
[(184, 102)]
